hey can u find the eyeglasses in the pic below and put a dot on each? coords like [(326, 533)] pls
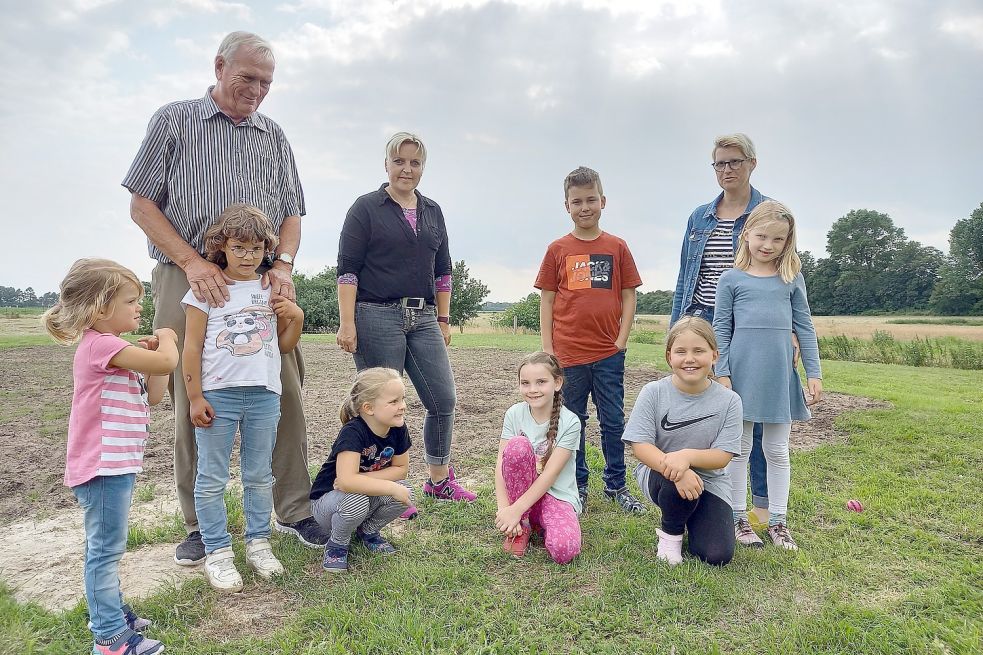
[(733, 164), (241, 252)]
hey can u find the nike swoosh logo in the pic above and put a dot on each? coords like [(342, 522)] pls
[(670, 426)]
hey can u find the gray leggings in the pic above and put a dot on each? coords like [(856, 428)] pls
[(341, 513)]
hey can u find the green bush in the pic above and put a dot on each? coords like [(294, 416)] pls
[(524, 313), (883, 348)]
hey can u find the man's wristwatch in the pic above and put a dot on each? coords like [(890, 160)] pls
[(284, 257), (444, 319)]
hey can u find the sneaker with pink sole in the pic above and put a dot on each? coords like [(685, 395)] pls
[(449, 489)]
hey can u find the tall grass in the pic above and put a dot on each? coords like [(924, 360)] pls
[(883, 348)]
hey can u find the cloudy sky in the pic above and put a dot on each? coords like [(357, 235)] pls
[(852, 104)]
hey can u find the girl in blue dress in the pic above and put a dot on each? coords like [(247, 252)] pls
[(758, 304)]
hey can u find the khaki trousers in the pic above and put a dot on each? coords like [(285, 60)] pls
[(292, 478)]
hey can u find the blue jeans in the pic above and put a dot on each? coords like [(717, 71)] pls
[(604, 382), (410, 340), (759, 467), (255, 411), (105, 501)]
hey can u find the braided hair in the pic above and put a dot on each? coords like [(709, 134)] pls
[(553, 366)]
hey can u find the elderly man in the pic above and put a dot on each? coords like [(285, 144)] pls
[(198, 157)]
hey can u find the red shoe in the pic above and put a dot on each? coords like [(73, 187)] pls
[(518, 544)]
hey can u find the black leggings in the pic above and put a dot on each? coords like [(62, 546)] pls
[(709, 519)]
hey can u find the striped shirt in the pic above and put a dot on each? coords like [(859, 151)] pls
[(194, 162), (107, 429), (718, 256)]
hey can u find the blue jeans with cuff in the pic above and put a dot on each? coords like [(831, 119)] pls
[(255, 412), (105, 502)]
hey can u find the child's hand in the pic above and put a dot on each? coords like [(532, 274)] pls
[(150, 343), (166, 333), (288, 310), (725, 380), (675, 463), (690, 486), (507, 519), (202, 413), (401, 493), (815, 390)]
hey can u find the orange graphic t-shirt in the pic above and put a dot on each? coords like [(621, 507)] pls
[(588, 277)]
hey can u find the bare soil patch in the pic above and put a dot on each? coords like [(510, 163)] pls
[(41, 552)]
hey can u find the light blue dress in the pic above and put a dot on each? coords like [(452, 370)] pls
[(753, 322)]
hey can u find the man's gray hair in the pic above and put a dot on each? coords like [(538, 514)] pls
[(230, 45)]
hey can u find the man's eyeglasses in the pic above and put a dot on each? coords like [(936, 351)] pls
[(733, 164), (240, 252)]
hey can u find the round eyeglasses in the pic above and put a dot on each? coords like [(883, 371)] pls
[(241, 253)]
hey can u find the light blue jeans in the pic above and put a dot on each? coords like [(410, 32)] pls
[(105, 502), (255, 411)]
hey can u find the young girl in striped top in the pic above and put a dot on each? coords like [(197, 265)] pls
[(108, 428)]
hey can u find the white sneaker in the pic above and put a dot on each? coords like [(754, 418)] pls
[(220, 570), (259, 555), (670, 548)]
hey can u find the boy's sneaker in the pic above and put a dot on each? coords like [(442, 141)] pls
[(410, 513), (449, 489), (335, 558), (625, 500), (191, 551), (582, 492), (781, 537), (259, 555), (746, 536), (134, 622), (308, 532), (376, 543), (518, 544), (220, 570), (129, 643)]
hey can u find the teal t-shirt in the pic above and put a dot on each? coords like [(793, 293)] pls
[(519, 422)]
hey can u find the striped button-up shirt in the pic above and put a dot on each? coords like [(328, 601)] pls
[(195, 162)]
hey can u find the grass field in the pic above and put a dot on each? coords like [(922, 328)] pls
[(902, 577)]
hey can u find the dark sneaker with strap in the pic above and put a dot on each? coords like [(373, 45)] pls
[(625, 500), (335, 558), (128, 643), (134, 622), (308, 532), (376, 543), (191, 551)]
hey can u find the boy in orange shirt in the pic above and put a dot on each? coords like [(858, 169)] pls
[(588, 280)]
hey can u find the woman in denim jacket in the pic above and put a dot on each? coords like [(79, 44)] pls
[(708, 250)]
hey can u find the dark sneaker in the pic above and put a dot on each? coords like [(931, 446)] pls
[(781, 537), (129, 643), (582, 492), (307, 531), (134, 622), (335, 558), (191, 551), (625, 500), (746, 536), (376, 543), (449, 489)]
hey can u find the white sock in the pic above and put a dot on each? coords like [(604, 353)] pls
[(670, 548)]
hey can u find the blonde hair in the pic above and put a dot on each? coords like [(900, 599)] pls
[(553, 366), (698, 326), (738, 140), (89, 288), (582, 177), (241, 222), (396, 142), (367, 387), (770, 211)]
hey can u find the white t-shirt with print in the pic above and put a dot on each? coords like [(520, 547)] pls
[(241, 347)]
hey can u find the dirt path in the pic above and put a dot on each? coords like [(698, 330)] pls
[(42, 543)]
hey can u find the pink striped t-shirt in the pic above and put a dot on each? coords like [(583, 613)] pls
[(110, 415)]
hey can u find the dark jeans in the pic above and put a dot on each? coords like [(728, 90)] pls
[(604, 382), (709, 519), (759, 467), (410, 340)]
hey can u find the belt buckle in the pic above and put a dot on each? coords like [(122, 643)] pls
[(413, 303)]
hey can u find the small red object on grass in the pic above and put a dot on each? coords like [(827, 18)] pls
[(854, 506)]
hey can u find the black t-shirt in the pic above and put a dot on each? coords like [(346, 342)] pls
[(377, 452)]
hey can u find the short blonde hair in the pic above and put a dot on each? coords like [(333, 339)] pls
[(770, 211), (582, 177), (241, 222), (89, 288), (738, 140), (368, 386), (396, 142)]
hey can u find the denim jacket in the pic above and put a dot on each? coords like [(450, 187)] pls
[(699, 227)]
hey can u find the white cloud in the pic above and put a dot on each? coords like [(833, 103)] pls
[(965, 26)]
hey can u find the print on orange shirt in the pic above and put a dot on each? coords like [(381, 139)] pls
[(589, 271)]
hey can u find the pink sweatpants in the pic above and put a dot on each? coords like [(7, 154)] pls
[(557, 518)]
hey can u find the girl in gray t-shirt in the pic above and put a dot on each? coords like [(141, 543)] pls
[(684, 429)]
